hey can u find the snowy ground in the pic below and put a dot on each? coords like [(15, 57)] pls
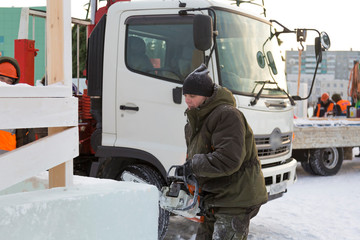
[(314, 208)]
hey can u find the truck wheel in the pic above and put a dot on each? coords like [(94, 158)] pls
[(326, 161), (301, 155), (145, 174), (307, 168)]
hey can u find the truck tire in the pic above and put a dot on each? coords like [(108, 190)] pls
[(307, 168), (145, 174), (302, 155), (326, 161)]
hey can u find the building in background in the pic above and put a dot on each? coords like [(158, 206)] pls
[(9, 27), (332, 75)]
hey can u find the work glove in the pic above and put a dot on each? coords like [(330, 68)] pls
[(184, 170)]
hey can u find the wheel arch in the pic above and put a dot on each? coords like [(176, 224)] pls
[(130, 155)]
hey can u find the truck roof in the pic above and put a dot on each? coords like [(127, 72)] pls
[(174, 4)]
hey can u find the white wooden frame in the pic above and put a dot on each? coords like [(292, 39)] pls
[(52, 107)]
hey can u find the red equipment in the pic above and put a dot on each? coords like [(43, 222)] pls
[(25, 53)]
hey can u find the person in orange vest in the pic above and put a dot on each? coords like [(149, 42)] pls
[(12, 138), (9, 74), (325, 106), (341, 104)]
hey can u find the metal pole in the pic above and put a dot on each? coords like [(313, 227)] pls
[(33, 28), (299, 72), (77, 57), (93, 8)]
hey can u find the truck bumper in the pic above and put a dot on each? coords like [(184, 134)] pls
[(278, 178)]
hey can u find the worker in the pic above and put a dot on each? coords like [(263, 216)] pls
[(9, 70), (12, 138), (222, 155), (9, 74), (325, 106), (341, 104)]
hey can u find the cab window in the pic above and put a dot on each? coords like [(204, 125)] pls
[(161, 47)]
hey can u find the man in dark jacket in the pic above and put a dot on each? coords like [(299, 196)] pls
[(222, 155)]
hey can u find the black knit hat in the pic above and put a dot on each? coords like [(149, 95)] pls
[(199, 82)]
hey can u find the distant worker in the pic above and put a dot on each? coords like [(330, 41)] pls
[(341, 104), (12, 138), (325, 107), (9, 70)]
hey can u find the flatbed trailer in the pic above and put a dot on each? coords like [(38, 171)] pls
[(321, 144)]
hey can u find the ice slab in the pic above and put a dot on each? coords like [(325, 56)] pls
[(99, 210)]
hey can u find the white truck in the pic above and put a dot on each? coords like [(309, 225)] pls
[(138, 56)]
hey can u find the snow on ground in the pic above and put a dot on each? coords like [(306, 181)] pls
[(314, 208)]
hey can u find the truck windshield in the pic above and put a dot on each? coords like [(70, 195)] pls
[(248, 56)]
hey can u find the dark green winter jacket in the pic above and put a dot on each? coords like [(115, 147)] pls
[(221, 146)]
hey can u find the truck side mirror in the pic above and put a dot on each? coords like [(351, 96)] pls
[(318, 49), (321, 43), (325, 40), (202, 32)]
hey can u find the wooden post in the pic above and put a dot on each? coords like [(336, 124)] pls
[(299, 73), (24, 24), (58, 67), (62, 174)]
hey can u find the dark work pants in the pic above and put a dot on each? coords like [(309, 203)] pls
[(217, 226)]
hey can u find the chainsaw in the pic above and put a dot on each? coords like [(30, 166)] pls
[(181, 197)]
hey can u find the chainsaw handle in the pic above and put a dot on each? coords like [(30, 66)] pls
[(173, 166), (184, 179), (175, 177)]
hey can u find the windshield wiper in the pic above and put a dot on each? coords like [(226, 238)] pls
[(254, 101)]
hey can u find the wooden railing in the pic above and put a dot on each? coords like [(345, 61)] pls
[(51, 106), (37, 107)]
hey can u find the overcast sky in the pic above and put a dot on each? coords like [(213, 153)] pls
[(339, 20)]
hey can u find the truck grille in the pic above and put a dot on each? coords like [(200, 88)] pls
[(274, 145)]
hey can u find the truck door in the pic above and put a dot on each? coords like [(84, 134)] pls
[(158, 53)]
